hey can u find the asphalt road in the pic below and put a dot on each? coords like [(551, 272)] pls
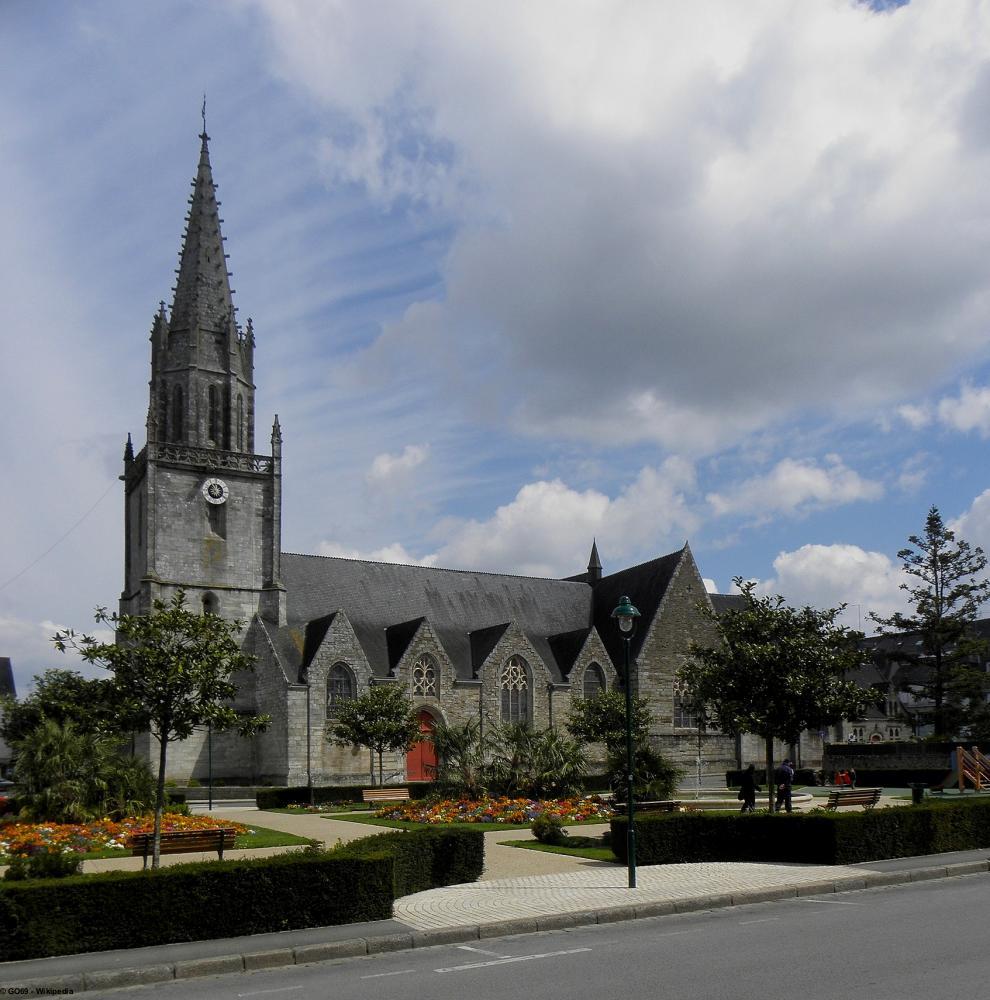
[(924, 940)]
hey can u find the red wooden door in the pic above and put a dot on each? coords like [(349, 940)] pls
[(421, 758)]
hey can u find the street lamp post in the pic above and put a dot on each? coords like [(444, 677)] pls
[(627, 614)]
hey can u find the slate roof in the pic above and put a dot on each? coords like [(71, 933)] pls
[(461, 606), (469, 611), (7, 677), (727, 602)]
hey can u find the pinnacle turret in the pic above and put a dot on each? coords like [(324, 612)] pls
[(594, 563)]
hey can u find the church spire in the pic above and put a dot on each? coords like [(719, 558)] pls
[(202, 292)]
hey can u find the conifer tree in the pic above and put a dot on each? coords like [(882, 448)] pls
[(945, 593)]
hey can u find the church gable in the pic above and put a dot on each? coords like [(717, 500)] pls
[(592, 670), (425, 671), (514, 681), (667, 636)]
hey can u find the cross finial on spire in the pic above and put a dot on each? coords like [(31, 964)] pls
[(204, 112)]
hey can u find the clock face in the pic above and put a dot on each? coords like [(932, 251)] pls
[(215, 491)]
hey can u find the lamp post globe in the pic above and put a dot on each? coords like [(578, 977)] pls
[(626, 614)]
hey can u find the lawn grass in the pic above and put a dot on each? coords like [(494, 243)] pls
[(594, 848)]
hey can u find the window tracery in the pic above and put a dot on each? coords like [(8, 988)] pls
[(424, 677), (514, 687)]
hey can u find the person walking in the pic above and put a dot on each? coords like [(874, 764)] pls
[(748, 789), (785, 780)]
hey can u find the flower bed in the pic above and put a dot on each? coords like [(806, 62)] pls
[(100, 835), (500, 810)]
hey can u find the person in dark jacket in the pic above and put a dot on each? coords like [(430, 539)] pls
[(785, 779), (748, 789)]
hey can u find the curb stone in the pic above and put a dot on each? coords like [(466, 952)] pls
[(357, 947), (117, 978), (193, 968)]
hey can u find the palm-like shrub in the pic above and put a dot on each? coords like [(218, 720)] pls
[(535, 763), (67, 775), (460, 766)]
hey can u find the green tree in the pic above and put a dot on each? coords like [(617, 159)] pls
[(172, 671), (62, 695), (460, 762), (382, 720), (70, 775), (602, 719), (945, 593), (777, 671)]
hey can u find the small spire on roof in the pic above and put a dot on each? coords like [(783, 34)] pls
[(594, 563)]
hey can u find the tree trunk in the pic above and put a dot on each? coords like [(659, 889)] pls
[(381, 779), (159, 802), (771, 783), (371, 764)]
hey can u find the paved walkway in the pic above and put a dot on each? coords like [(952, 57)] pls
[(520, 892)]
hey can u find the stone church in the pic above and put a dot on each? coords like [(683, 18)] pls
[(203, 512)]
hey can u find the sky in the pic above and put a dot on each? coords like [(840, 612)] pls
[(521, 276)]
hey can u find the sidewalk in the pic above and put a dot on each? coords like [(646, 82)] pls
[(520, 892)]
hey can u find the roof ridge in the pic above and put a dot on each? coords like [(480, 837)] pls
[(646, 562), (436, 569)]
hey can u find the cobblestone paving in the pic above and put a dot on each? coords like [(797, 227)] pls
[(600, 888)]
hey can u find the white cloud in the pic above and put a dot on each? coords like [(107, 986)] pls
[(969, 411), (386, 469), (829, 575), (639, 204), (794, 486), (915, 416), (711, 586), (394, 553), (973, 525), (548, 527)]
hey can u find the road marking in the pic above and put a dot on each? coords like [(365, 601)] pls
[(381, 975), (481, 951), (762, 920), (261, 993), (507, 961), (834, 902)]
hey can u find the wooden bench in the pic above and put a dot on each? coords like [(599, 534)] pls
[(182, 842), (865, 797), (664, 806), (385, 794)]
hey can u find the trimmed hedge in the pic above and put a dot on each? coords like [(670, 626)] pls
[(812, 838), (204, 900), (278, 798), (424, 859)]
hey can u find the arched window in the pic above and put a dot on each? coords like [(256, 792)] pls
[(424, 677), (178, 415), (240, 422), (594, 680), (514, 685), (211, 606), (685, 709), (214, 427), (340, 688)]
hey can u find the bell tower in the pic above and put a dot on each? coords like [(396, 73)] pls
[(202, 510)]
